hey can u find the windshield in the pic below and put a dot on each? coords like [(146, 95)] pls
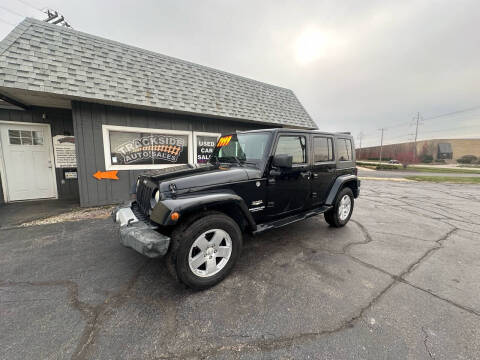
[(241, 148)]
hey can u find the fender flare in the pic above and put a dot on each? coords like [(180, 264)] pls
[(190, 203), (337, 185)]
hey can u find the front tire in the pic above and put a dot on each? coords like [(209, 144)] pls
[(205, 251), (341, 212)]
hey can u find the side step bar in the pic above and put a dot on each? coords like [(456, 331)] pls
[(291, 219)]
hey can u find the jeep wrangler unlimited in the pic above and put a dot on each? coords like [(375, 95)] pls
[(254, 181)]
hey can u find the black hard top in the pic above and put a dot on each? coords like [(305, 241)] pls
[(303, 131)]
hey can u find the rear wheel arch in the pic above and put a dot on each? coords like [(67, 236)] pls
[(340, 183), (353, 185)]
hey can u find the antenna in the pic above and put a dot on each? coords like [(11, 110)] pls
[(55, 18)]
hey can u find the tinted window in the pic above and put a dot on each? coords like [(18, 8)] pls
[(243, 147), (344, 149), (322, 149), (293, 145)]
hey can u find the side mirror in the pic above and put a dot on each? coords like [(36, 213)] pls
[(283, 161)]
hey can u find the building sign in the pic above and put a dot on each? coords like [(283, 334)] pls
[(64, 151), (137, 148), (205, 146)]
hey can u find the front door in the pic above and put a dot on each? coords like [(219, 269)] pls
[(289, 190), (28, 161)]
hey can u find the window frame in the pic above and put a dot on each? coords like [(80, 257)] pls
[(108, 156), (201, 133), (307, 144), (351, 150), (334, 157)]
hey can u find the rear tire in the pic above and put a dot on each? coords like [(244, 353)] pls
[(205, 250), (342, 209)]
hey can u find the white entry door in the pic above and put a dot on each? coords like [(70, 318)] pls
[(28, 161)]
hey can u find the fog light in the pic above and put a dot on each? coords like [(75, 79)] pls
[(175, 216)]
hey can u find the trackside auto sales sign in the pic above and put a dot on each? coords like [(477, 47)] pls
[(148, 148)]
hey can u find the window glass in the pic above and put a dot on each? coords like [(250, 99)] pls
[(25, 137), (14, 137), (242, 147), (141, 148), (293, 145), (322, 149), (26, 140), (344, 148), (15, 141), (37, 137)]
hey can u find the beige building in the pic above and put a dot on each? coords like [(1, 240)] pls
[(446, 149)]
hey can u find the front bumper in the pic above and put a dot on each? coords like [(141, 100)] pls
[(141, 236)]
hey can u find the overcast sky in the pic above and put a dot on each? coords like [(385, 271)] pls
[(355, 65)]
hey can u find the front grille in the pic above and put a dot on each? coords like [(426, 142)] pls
[(145, 191), (139, 213)]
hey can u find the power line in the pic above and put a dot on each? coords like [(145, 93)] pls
[(425, 132), (7, 22), (11, 11), (453, 113), (426, 119), (29, 5)]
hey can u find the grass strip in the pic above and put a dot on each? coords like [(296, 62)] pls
[(393, 167), (446, 179)]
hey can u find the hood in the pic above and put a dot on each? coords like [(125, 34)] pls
[(188, 177)]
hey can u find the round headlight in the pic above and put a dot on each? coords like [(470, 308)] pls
[(157, 195)]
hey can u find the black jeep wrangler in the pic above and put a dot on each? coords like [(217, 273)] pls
[(254, 181)]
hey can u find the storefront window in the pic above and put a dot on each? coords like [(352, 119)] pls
[(139, 148), (204, 145)]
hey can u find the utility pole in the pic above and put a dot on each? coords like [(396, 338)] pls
[(415, 142), (360, 137), (381, 144)]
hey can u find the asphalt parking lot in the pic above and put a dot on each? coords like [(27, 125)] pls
[(400, 281)]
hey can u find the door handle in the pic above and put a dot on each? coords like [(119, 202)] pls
[(306, 174)]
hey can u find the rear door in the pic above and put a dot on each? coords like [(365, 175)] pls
[(323, 167), (289, 190), (345, 155)]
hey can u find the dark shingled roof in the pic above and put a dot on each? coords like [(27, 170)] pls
[(51, 59)]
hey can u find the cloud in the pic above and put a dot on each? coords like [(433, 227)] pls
[(355, 65)]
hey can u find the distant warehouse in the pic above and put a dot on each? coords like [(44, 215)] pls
[(435, 150), (74, 105)]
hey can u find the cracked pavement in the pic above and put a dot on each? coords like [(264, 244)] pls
[(400, 281)]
